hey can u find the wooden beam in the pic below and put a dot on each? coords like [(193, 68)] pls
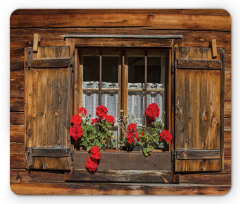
[(214, 48), (36, 41)]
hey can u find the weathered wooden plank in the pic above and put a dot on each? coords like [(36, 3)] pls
[(17, 148), (227, 124), (154, 21), (50, 152), (126, 161), (51, 63), (127, 176), (197, 165), (112, 42), (17, 133), (214, 12), (16, 104), (117, 189), (16, 118), (20, 38), (210, 179), (25, 176), (227, 109), (197, 154), (227, 86), (36, 40), (199, 64), (17, 84), (16, 161)]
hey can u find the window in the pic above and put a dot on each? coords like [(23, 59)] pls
[(116, 78)]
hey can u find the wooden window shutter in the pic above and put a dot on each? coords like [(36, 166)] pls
[(199, 109), (47, 108)]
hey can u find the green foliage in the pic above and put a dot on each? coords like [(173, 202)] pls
[(97, 135), (150, 138)]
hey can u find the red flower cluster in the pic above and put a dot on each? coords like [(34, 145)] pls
[(152, 112), (95, 121), (95, 153), (92, 162), (76, 120), (132, 133), (82, 111), (166, 135), (101, 111), (110, 119), (76, 131)]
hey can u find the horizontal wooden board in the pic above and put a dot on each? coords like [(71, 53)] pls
[(17, 148), (16, 161), (197, 154), (21, 38), (154, 21), (17, 133), (126, 161), (199, 64), (227, 86), (197, 165), (214, 12), (16, 104), (115, 42), (127, 176), (25, 176), (17, 83), (117, 189), (16, 118), (210, 179)]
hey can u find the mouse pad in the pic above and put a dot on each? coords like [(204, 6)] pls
[(120, 102)]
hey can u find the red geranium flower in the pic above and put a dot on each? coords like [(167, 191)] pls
[(95, 121), (101, 111), (109, 119), (76, 132), (91, 164), (82, 111), (166, 135), (132, 127), (76, 119), (95, 153), (132, 133), (152, 112)]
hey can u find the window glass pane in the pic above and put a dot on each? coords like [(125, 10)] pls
[(135, 69), (90, 102), (110, 69), (90, 68), (135, 105), (90, 82), (155, 79), (110, 81)]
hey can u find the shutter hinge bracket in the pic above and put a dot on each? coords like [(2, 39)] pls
[(172, 67), (72, 65), (173, 155), (29, 157), (29, 57), (71, 154)]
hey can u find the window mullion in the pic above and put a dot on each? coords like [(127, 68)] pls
[(100, 79), (145, 81)]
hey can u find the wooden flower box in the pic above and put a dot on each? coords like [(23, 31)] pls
[(121, 166)]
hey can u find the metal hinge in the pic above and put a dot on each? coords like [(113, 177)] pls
[(29, 157), (72, 65), (173, 155), (29, 57), (71, 154), (172, 67)]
